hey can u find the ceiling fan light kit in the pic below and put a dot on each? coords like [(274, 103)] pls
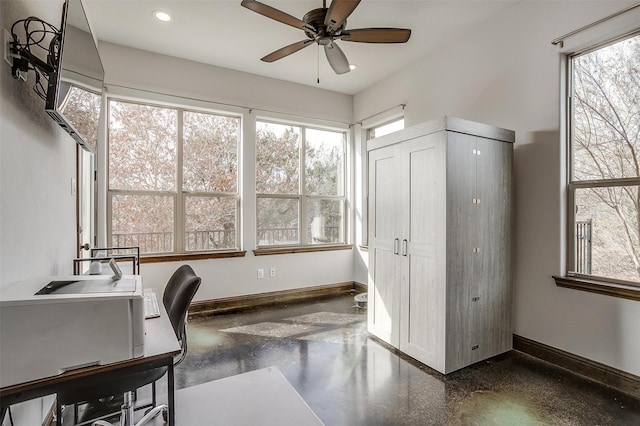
[(324, 26)]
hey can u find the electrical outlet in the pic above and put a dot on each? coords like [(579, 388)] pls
[(260, 273), (7, 39), (272, 271)]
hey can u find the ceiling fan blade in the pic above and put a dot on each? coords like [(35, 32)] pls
[(336, 58), (287, 50), (338, 12), (275, 14), (376, 35)]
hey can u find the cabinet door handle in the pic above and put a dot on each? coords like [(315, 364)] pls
[(404, 247), (396, 244)]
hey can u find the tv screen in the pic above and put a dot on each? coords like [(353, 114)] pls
[(75, 87)]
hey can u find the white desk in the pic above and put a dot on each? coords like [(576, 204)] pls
[(160, 347), (91, 320)]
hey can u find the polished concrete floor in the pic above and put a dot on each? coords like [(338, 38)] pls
[(349, 378)]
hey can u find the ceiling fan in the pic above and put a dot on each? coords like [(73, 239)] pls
[(324, 26)]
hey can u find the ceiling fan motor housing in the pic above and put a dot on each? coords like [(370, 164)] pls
[(315, 18)]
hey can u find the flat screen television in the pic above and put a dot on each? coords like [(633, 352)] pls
[(74, 90)]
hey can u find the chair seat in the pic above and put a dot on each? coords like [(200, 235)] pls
[(114, 385)]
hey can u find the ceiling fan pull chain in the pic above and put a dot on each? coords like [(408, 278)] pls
[(318, 64)]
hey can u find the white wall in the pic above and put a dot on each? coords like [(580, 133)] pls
[(506, 73), (37, 163), (196, 84)]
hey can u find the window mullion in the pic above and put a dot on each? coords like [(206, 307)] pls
[(347, 189), (179, 195), (141, 192), (302, 191), (605, 183), (571, 231), (109, 219), (569, 117)]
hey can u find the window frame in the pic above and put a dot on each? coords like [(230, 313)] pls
[(369, 131), (302, 197), (179, 195), (573, 279)]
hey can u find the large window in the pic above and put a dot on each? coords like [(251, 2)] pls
[(300, 185), (173, 179), (604, 181)]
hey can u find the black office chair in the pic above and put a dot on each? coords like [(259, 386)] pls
[(178, 294)]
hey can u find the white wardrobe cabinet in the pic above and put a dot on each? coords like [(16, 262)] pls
[(440, 241)]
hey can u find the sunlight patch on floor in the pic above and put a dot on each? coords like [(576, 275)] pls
[(332, 318), (273, 329), (489, 408)]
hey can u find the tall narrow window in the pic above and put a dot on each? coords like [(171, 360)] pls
[(173, 179), (82, 107), (604, 188), (300, 185)]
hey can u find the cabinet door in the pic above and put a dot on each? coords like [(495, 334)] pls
[(385, 197), (462, 246), (493, 270), (423, 249)]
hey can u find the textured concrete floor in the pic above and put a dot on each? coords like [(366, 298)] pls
[(348, 378)]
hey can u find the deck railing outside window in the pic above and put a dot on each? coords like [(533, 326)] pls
[(583, 247), (162, 242)]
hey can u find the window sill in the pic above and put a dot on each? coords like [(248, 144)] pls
[(190, 256), (599, 287), (305, 249)]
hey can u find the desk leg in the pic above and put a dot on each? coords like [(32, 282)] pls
[(171, 395)]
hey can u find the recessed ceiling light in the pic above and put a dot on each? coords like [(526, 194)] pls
[(162, 16), (352, 67)]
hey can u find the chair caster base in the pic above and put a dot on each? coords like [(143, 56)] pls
[(149, 414)]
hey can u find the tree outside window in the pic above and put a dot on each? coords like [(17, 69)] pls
[(300, 181), (604, 189), (173, 179)]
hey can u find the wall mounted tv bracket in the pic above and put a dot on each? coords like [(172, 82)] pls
[(41, 37)]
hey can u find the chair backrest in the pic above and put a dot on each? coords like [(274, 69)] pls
[(177, 296)]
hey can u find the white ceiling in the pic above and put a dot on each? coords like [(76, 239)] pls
[(225, 34)]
